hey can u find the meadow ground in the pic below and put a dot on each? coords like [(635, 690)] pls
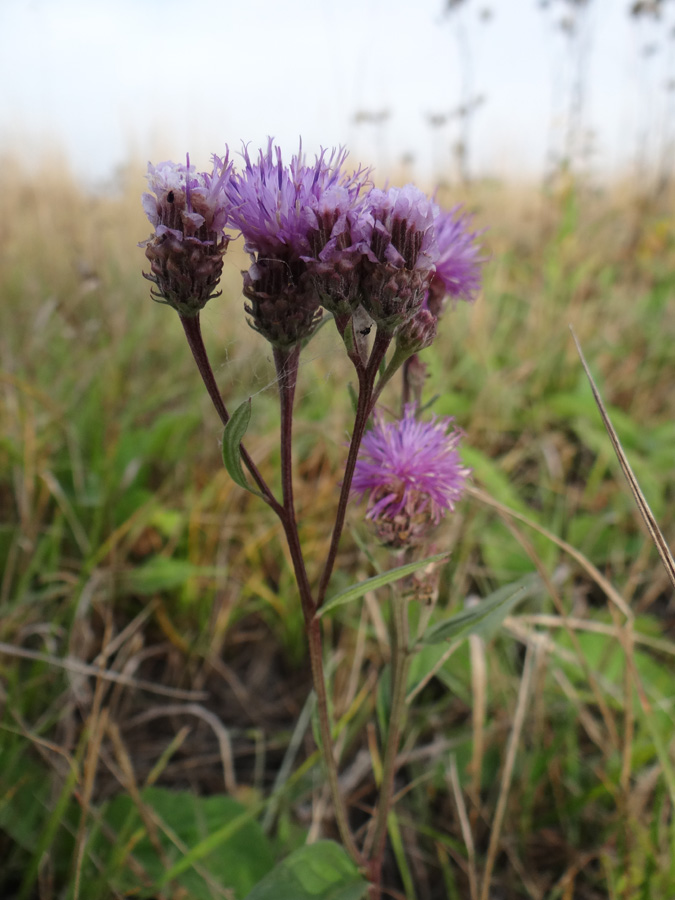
[(536, 763)]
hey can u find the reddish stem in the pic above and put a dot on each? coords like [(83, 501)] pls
[(363, 409), (193, 333)]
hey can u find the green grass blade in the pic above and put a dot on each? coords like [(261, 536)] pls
[(485, 617), (356, 591)]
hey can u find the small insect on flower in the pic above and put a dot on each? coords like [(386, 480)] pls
[(413, 474)]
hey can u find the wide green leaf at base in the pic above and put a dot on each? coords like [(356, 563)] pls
[(320, 871)]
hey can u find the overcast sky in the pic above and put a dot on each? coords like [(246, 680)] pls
[(112, 79)]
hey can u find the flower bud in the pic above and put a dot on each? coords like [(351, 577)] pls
[(189, 211), (417, 333)]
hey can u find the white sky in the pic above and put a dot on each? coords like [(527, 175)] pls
[(111, 79)]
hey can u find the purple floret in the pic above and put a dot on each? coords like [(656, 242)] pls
[(184, 200), (458, 263), (280, 208), (404, 228)]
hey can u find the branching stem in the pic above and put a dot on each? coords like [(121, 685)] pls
[(286, 362), (193, 333), (364, 407)]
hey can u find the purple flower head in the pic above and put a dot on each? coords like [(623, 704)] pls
[(412, 473), (288, 215), (188, 211), (458, 265), (401, 254)]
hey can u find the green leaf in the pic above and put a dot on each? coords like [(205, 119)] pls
[(237, 864), (232, 437), (356, 591), (486, 616), (322, 870)]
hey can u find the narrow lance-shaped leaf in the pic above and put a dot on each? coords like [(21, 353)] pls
[(232, 437), (486, 616), (356, 591)]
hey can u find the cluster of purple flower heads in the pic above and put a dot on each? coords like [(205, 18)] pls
[(318, 236), (412, 473), (322, 237)]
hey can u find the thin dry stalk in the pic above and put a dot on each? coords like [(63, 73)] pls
[(626, 637), (97, 723), (512, 748), (551, 621), (131, 786), (112, 646), (175, 744), (652, 525), (465, 826), (379, 625), (478, 718), (603, 706), (607, 588), (211, 719), (586, 719), (74, 665)]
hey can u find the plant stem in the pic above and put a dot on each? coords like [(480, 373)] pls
[(325, 730), (363, 409), (286, 362), (193, 333), (400, 657)]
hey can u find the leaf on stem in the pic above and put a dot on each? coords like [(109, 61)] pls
[(232, 437), (356, 591), (485, 617)]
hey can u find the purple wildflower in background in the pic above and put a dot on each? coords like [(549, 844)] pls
[(412, 473), (401, 254), (189, 211), (287, 215), (458, 265)]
